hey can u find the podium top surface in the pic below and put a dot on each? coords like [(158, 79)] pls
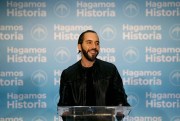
[(93, 110)]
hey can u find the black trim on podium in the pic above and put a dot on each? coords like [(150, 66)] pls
[(93, 113)]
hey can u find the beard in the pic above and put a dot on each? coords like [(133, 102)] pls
[(89, 58)]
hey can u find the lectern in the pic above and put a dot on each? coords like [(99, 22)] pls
[(93, 113)]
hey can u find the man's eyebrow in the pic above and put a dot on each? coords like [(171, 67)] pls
[(91, 40), (88, 40)]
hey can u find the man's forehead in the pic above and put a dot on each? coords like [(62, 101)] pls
[(91, 35)]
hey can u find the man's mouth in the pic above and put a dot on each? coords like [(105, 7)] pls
[(93, 51)]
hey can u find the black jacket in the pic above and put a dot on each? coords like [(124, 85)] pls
[(106, 80)]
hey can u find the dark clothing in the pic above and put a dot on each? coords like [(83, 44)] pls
[(102, 87), (91, 98)]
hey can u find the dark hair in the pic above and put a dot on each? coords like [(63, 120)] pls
[(80, 40)]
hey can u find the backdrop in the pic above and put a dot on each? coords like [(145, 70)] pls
[(38, 39)]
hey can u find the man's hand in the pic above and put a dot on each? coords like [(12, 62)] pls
[(119, 116)]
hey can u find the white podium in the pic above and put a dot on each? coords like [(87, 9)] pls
[(93, 113)]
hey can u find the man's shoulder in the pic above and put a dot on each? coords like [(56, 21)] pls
[(105, 64), (72, 68)]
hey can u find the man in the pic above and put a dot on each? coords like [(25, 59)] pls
[(91, 81)]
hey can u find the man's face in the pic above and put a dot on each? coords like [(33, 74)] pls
[(90, 46)]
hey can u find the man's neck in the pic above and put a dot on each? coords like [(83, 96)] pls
[(86, 63)]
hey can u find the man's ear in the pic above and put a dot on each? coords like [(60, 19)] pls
[(79, 47)]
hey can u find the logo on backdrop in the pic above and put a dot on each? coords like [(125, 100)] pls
[(108, 32), (141, 32), (133, 99), (162, 100), (174, 78), (107, 54), (131, 54), (57, 74), (95, 9), (62, 9), (131, 9), (162, 8), (56, 99), (39, 32), (174, 32), (162, 54), (69, 32), (39, 118), (39, 78), (11, 78), (26, 9), (176, 118), (11, 32), (142, 78), (62, 55)]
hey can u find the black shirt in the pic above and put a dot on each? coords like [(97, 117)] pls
[(90, 93)]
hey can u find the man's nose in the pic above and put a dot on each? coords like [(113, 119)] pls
[(94, 45)]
